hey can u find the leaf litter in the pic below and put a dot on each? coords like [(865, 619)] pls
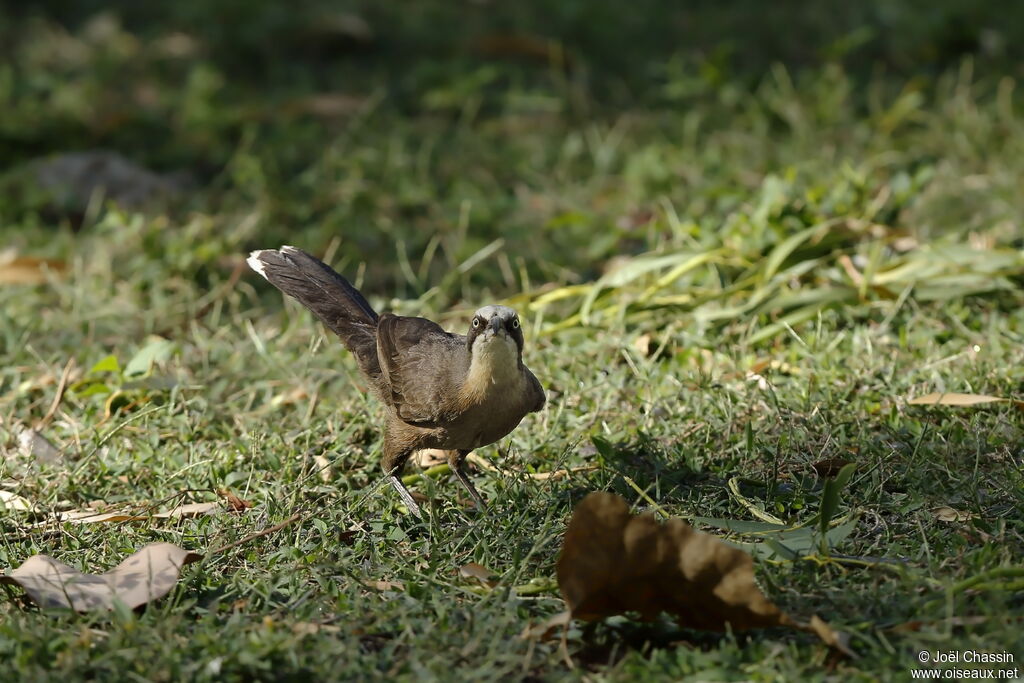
[(143, 577), (613, 562)]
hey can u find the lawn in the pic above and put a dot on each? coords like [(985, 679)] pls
[(737, 262)]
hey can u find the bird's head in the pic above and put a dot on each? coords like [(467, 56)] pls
[(495, 324)]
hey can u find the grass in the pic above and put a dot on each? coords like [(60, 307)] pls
[(736, 278)]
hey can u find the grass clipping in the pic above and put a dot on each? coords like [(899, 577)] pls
[(614, 562)]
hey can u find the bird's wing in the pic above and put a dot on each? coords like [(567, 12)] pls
[(420, 363), (537, 399)]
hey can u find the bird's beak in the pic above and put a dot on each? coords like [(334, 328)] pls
[(495, 324)]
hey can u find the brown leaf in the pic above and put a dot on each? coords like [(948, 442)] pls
[(235, 504), (829, 467), (25, 270), (954, 400), (479, 572), (614, 562), (145, 576)]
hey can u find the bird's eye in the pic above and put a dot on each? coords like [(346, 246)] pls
[(476, 323), (515, 323)]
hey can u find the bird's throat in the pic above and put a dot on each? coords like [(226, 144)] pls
[(494, 368)]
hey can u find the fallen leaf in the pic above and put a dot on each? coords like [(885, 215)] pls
[(189, 510), (25, 270), (35, 445), (145, 576), (472, 570), (235, 504), (323, 467), (92, 517), (430, 457), (954, 400), (614, 562), (945, 513), (829, 467), (644, 344), (12, 501)]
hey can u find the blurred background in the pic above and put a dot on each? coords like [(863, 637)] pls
[(546, 141)]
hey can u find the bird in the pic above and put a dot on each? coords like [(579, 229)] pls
[(439, 389)]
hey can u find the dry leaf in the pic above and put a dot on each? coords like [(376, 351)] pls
[(479, 572), (954, 400), (145, 576), (92, 517), (829, 467), (323, 466), (430, 457), (25, 270), (235, 504), (945, 513), (190, 510), (12, 501), (614, 562), (644, 344), (35, 445)]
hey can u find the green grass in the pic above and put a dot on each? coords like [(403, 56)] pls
[(854, 240)]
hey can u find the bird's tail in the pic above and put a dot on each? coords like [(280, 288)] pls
[(329, 296)]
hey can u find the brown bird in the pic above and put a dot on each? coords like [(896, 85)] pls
[(441, 390)]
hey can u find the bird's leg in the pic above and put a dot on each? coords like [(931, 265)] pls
[(457, 460), (404, 494), (395, 455)]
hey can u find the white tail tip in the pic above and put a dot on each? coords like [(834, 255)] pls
[(255, 263)]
